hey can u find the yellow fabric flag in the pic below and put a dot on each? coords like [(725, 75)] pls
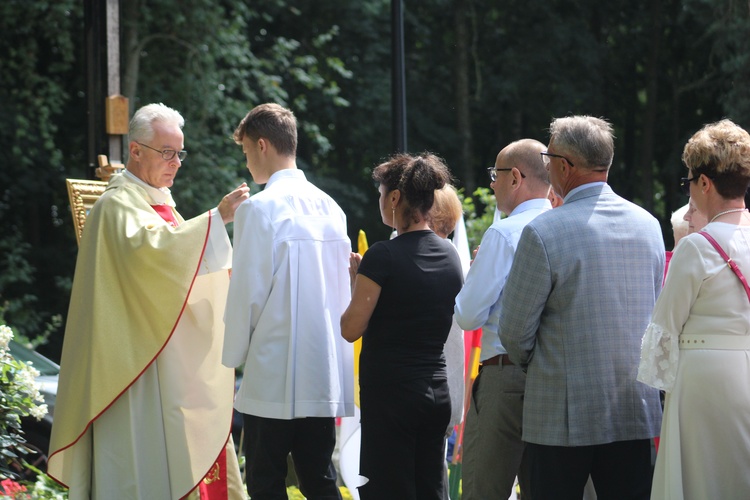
[(362, 243), (361, 249)]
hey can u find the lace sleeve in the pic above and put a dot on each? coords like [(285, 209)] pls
[(659, 356)]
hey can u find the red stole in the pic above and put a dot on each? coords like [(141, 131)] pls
[(214, 485), (166, 213)]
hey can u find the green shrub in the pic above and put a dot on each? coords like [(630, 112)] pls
[(477, 224)]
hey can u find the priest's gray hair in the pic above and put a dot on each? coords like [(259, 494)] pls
[(141, 125)]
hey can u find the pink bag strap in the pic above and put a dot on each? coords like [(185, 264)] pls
[(732, 265)]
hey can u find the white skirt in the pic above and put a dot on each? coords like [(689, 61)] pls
[(705, 437)]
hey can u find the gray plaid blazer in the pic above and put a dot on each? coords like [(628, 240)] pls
[(577, 301)]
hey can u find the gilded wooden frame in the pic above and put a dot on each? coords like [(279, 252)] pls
[(82, 195)]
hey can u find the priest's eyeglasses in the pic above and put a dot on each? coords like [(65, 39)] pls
[(166, 154)]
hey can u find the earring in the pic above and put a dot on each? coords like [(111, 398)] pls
[(393, 217)]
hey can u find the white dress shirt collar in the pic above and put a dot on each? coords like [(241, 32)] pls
[(287, 173), (532, 204)]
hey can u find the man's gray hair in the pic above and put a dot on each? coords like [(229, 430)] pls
[(141, 125), (589, 138)]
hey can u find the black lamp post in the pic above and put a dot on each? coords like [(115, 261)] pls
[(398, 79)]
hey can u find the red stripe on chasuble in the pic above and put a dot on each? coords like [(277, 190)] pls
[(214, 485), (165, 212)]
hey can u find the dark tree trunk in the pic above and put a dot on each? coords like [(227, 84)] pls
[(131, 50), (646, 157), (465, 170)]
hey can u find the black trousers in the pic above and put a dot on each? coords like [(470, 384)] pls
[(268, 442), (403, 437), (619, 470)]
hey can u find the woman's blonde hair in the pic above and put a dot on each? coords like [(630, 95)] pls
[(721, 151), (445, 211)]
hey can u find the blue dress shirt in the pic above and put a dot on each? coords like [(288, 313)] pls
[(478, 303)]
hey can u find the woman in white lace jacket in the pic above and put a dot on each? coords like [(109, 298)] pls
[(697, 347)]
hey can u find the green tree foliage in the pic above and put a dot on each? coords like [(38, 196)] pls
[(357, 123), (731, 28), (478, 222), (657, 69), (40, 78), (223, 58)]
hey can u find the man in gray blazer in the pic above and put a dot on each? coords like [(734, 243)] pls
[(577, 301)]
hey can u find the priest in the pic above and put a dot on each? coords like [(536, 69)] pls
[(144, 406)]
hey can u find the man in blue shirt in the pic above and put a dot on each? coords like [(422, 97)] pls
[(493, 450)]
